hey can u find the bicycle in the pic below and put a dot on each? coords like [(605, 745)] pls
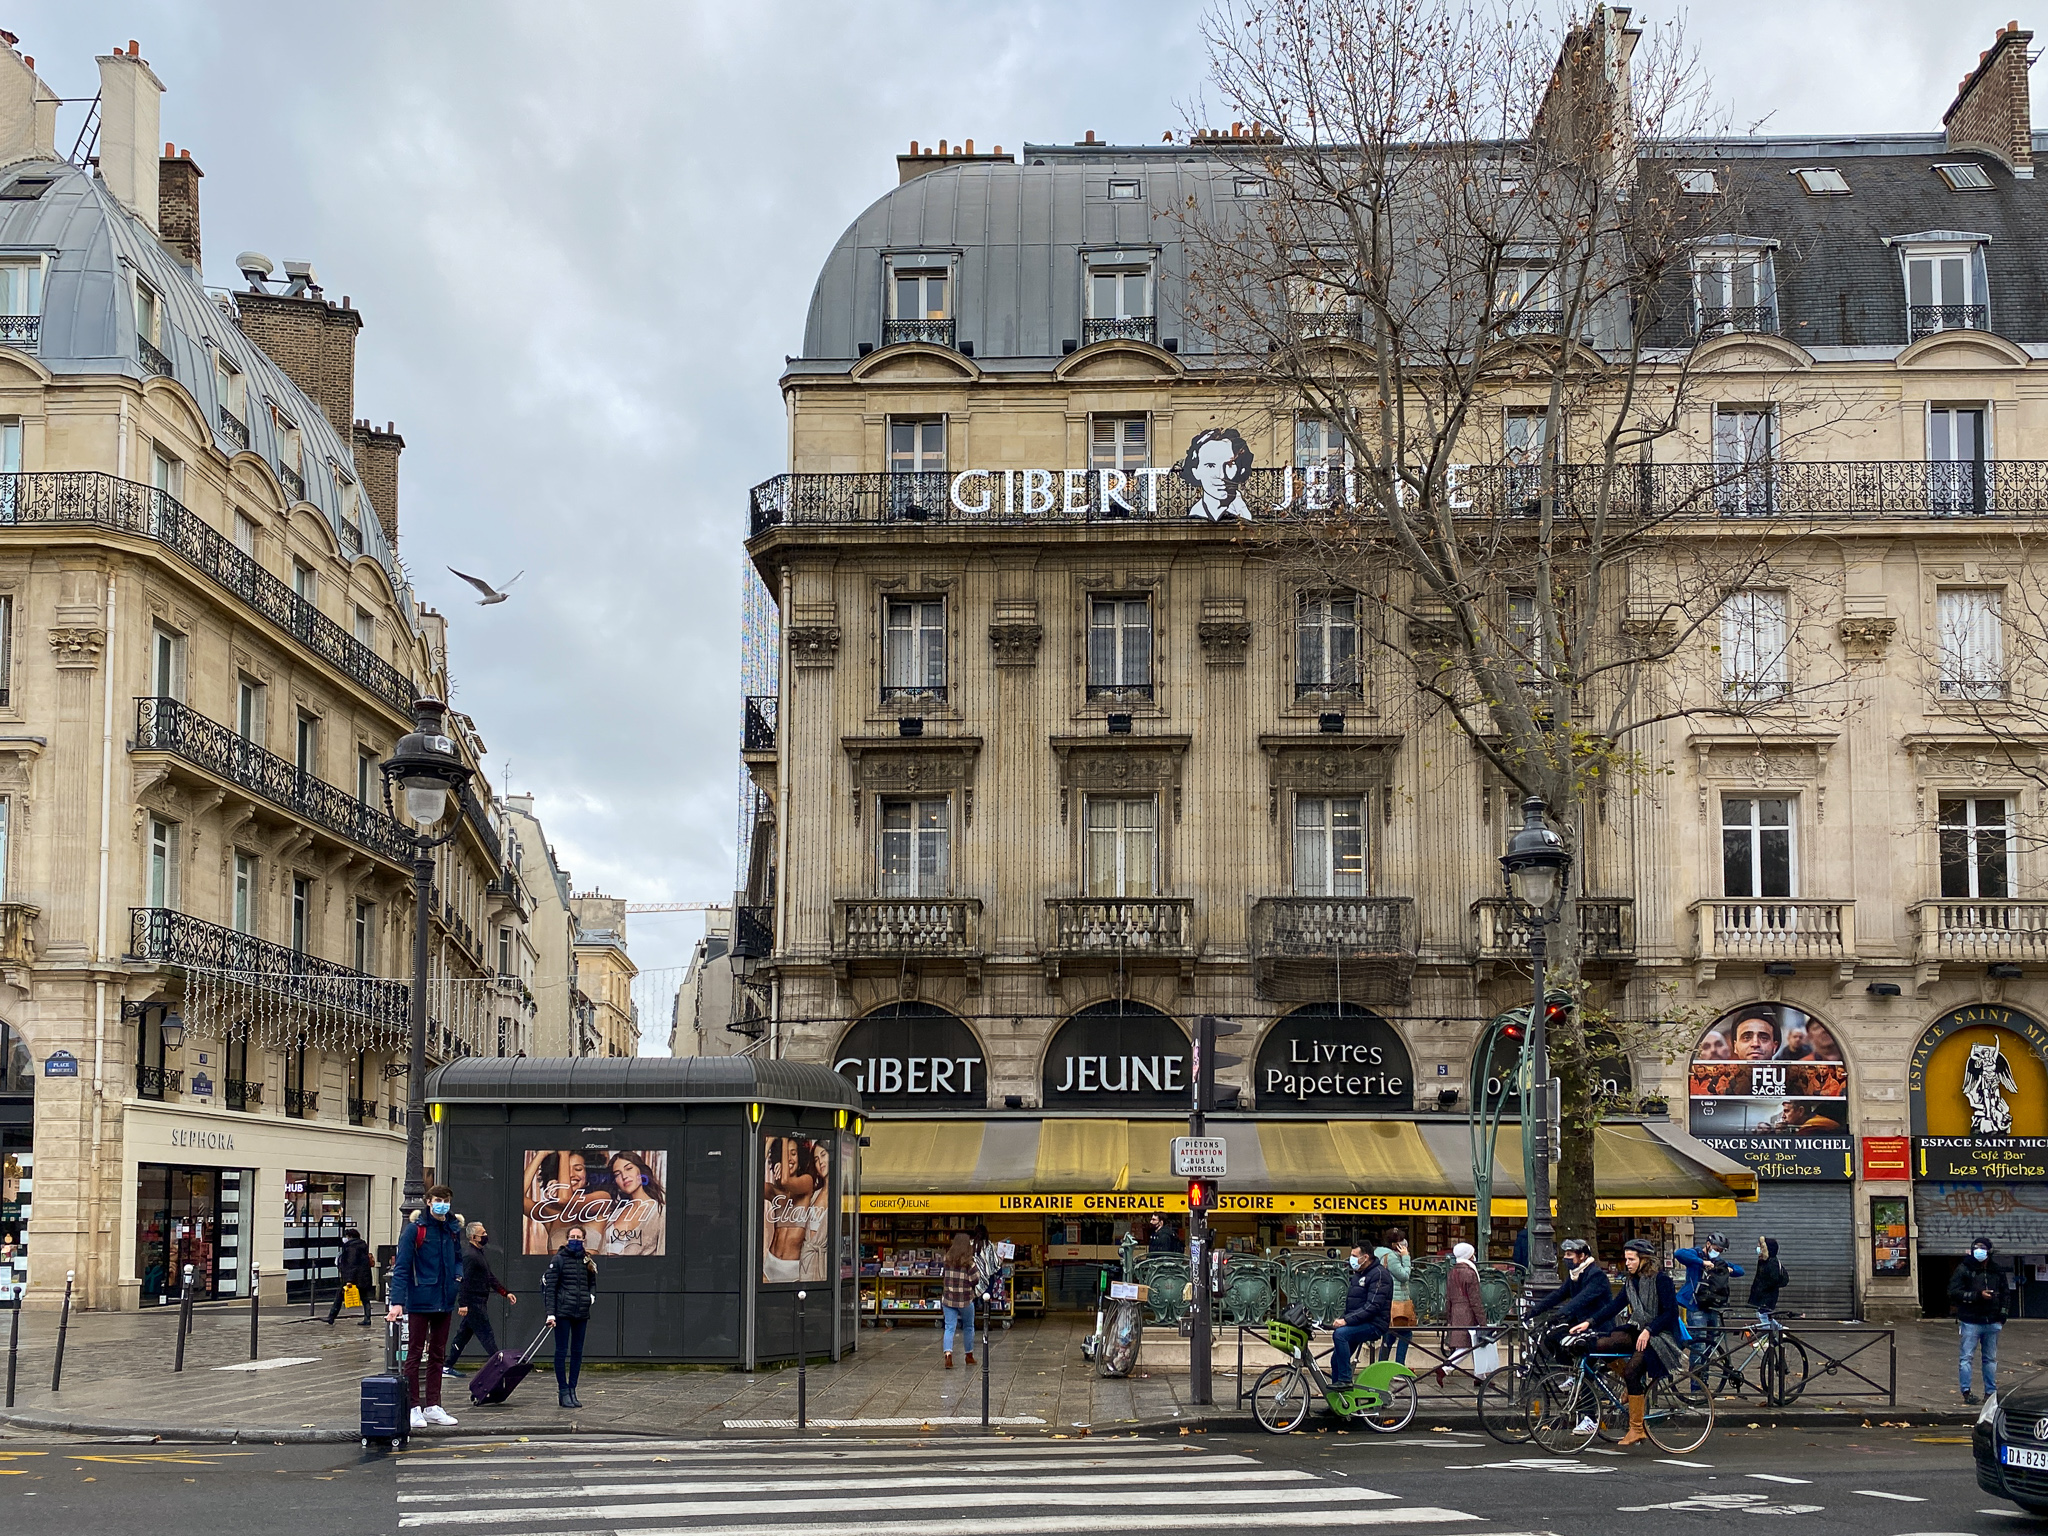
[(1778, 1359), (1571, 1405), (1504, 1395), (1381, 1396)]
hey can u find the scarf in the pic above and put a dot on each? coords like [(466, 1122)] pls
[(1641, 1289)]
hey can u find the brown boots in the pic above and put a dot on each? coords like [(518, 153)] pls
[(949, 1363), (1636, 1433), (970, 1357)]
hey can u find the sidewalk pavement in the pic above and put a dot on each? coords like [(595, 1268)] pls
[(118, 1380)]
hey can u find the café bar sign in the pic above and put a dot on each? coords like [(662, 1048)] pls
[(915, 1057), (1978, 1086)]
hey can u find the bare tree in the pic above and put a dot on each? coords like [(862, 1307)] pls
[(1454, 275)]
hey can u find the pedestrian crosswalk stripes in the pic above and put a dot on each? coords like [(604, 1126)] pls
[(759, 1487)]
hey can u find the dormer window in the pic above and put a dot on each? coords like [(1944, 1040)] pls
[(1965, 177), (1249, 186), (1526, 297), (1945, 288), (1698, 183), (21, 302), (149, 330), (1119, 305), (1321, 305), (921, 306), (1734, 291), (229, 391), (290, 463), (1126, 191), (1823, 181)]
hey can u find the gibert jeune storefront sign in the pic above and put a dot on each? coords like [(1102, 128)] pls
[(913, 1057), (1979, 1092), (1324, 1061), (1117, 1056)]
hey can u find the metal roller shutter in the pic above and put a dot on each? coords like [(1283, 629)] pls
[(1815, 1225), (2013, 1216)]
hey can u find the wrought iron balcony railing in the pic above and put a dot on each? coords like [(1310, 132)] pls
[(758, 731), (1926, 319), (21, 331), (361, 1111), (1775, 928), (172, 938), (1607, 928), (1980, 931), (292, 481), (84, 498), (753, 933), (1531, 322), (480, 822), (907, 926), (1743, 319), (1303, 945), (1636, 494), (937, 333), (1328, 324), (165, 725), (153, 359), (395, 1114), (1158, 925), (301, 1104), (1138, 328), (351, 537), (151, 1082), (238, 1093), (233, 428)]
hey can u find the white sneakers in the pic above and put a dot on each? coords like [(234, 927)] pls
[(439, 1415), (419, 1420), (1586, 1425)]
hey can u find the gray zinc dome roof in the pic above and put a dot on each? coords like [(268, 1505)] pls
[(89, 243)]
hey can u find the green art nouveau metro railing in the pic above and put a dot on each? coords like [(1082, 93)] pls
[(89, 499), (1890, 488)]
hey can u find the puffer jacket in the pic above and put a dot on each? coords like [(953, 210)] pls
[(1967, 1289), (426, 1272), (1369, 1298), (569, 1285)]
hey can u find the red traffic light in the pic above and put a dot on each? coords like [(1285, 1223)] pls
[(1512, 1032), (1201, 1193)]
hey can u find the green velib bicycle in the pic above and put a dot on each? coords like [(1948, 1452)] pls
[(1381, 1396)]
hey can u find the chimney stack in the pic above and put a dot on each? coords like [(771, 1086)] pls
[(377, 470), (131, 112), (1992, 111), (28, 110), (313, 340), (177, 202)]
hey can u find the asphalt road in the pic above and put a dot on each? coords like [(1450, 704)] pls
[(1877, 1482)]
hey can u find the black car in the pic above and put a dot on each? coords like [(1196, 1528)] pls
[(2011, 1444)]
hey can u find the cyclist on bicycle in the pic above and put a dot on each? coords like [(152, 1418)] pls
[(1583, 1295), (1367, 1305), (1705, 1291), (1647, 1308)]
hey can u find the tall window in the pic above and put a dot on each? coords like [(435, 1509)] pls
[(21, 288), (1526, 299), (366, 627), (236, 1088), (914, 649), (6, 807), (917, 444), (290, 454), (306, 748), (1734, 291), (1319, 443), (1756, 846), (1525, 635), (1755, 639), (149, 315), (916, 856), (1743, 449), (302, 911), (1329, 846), (243, 906), (1944, 290), (1524, 434), (366, 776), (504, 951), (1976, 849), (10, 447), (1326, 645), (6, 649), (166, 473), (1119, 647), (364, 938), (1123, 848), (1118, 442), (1956, 481), (163, 862), (166, 663), (1971, 641), (249, 723), (305, 581), (227, 382), (245, 533), (298, 1103)]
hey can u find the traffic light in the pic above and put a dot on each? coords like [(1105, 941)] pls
[(1207, 1059), (1201, 1196)]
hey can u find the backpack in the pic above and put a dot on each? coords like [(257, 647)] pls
[(1712, 1294)]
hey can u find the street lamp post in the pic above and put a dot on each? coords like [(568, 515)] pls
[(1536, 867), (431, 775)]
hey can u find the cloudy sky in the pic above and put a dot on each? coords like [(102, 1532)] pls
[(583, 238)]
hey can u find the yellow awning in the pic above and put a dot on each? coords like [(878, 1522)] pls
[(921, 1156), (1350, 1157)]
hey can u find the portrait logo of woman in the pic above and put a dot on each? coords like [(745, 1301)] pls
[(1216, 463), (1768, 1069), (794, 1209), (619, 1198)]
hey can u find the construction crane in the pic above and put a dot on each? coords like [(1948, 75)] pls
[(677, 906)]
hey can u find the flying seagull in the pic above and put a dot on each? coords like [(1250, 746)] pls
[(490, 593)]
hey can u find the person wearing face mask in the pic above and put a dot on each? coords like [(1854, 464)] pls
[(472, 1301), (1705, 1291), (1583, 1295), (426, 1276), (566, 1290), (1769, 1279), (1366, 1306), (1976, 1292)]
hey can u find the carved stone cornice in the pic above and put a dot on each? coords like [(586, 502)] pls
[(1225, 642), (1865, 639), (912, 765), (1120, 765), (1763, 763), (1327, 765), (812, 645), (77, 645), (1016, 644)]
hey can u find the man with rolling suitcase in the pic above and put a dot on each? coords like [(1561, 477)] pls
[(425, 1275), (473, 1299)]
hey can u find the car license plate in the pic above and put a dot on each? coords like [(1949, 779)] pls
[(2019, 1456)]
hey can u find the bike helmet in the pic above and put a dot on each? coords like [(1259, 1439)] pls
[(1574, 1245), (1640, 1245), (1717, 1240)]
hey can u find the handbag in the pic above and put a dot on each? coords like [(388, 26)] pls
[(1485, 1359), (1401, 1314), (350, 1297)]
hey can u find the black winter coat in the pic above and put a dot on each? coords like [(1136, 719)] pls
[(568, 1286), (1370, 1298), (1966, 1288), (478, 1283), (1578, 1300), (1768, 1280), (354, 1263)]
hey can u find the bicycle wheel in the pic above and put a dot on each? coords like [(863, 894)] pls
[(1504, 1399), (1782, 1371), (1679, 1414), (1280, 1398), (1395, 1408), (1564, 1411)]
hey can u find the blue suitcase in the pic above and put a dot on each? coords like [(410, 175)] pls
[(387, 1412)]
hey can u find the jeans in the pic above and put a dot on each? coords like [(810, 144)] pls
[(1396, 1345), (1982, 1336), (1347, 1339), (426, 1344), (476, 1324), (962, 1317), (1706, 1330), (569, 1351)]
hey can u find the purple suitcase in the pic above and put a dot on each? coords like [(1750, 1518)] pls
[(496, 1378)]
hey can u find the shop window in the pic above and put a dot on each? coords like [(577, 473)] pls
[(188, 1217)]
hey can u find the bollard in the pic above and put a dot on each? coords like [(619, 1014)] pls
[(988, 1338), (13, 1349), (255, 1301), (184, 1320), (800, 1405), (63, 1327)]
